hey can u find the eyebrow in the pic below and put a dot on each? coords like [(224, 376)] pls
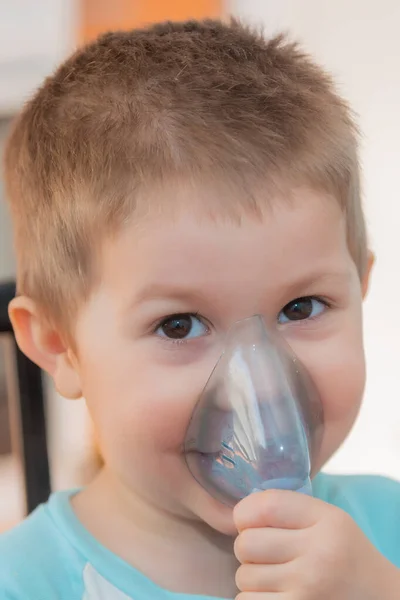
[(323, 278), (158, 291)]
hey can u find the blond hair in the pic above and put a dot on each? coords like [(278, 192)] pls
[(133, 108)]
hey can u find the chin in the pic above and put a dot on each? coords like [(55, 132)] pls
[(225, 526), (220, 519), (216, 515)]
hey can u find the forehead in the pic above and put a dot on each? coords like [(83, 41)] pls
[(303, 237)]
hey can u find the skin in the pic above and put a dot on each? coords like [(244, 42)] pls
[(141, 388)]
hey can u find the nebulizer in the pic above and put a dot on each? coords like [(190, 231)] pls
[(258, 423)]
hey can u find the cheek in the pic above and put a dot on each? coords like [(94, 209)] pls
[(341, 385), (138, 404), (340, 380), (337, 367)]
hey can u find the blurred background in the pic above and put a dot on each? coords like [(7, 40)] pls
[(358, 41)]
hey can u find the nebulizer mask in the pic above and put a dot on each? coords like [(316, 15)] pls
[(258, 423)]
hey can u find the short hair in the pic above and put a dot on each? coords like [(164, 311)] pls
[(197, 99)]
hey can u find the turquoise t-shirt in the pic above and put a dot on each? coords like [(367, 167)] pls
[(51, 556)]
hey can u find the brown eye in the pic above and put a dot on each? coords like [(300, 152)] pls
[(180, 327), (301, 309), (177, 327)]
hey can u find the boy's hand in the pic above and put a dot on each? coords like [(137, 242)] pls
[(294, 547)]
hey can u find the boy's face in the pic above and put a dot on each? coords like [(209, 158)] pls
[(171, 288)]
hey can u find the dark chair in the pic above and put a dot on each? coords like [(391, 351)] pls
[(31, 424)]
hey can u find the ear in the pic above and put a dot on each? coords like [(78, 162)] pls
[(44, 346), (367, 275)]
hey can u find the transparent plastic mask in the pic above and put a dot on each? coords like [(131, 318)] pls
[(258, 423)]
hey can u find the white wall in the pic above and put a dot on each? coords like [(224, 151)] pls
[(359, 42), (34, 37)]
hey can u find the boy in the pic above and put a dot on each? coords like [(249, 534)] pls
[(164, 184)]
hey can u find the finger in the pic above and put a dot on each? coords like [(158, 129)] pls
[(278, 508), (267, 545), (263, 578)]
